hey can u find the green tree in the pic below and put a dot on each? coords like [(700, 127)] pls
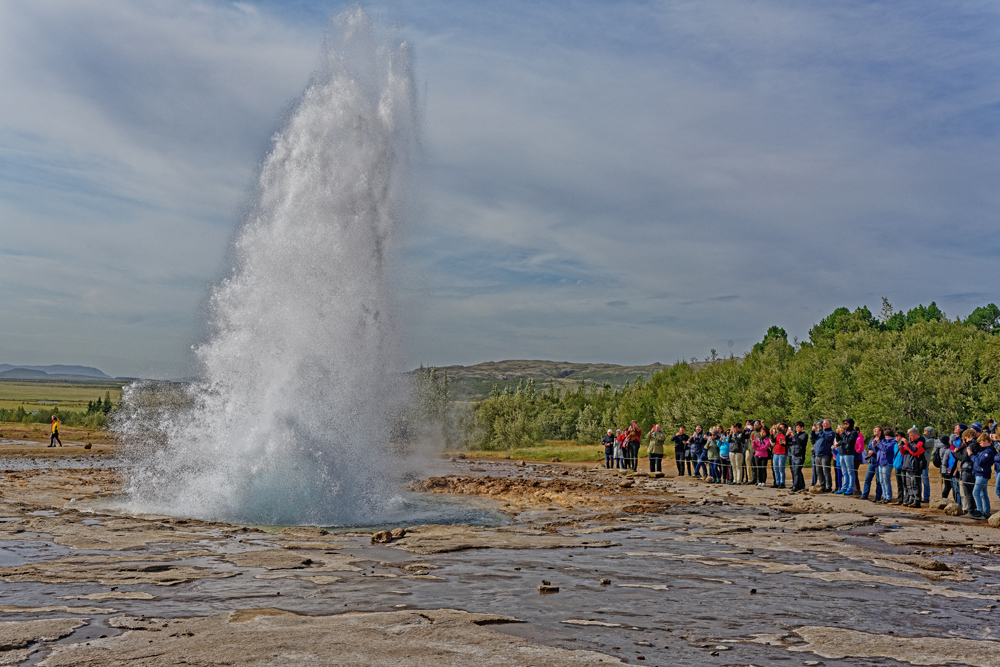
[(985, 318)]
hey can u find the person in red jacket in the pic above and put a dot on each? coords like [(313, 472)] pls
[(912, 467), (633, 437)]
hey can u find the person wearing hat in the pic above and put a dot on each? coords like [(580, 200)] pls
[(609, 449), (655, 449)]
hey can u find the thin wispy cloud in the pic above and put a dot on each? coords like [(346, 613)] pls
[(626, 182)]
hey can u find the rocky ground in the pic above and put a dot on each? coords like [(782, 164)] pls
[(589, 568)]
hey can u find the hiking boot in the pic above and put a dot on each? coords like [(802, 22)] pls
[(916, 504)]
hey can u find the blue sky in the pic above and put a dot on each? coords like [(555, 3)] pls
[(599, 181)]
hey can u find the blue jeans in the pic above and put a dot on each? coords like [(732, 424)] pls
[(926, 477), (701, 465), (778, 463), (846, 462), (608, 459), (869, 476), (981, 495), (885, 478)]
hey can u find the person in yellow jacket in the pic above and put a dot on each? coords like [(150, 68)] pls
[(655, 449), (54, 438)]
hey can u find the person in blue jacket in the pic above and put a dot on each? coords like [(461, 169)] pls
[(696, 451), (609, 448), (822, 440), (872, 473), (984, 458), (885, 451)]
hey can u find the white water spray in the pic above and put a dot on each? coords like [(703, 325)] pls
[(300, 377)]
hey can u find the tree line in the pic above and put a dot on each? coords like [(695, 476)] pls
[(96, 415), (896, 370)]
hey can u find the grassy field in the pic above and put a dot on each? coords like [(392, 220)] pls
[(565, 450), (571, 450), (45, 394)]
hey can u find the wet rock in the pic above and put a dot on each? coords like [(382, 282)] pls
[(16, 609), (657, 475), (605, 582), (521, 463), (109, 570), (112, 595), (270, 559), (113, 533), (440, 637), (994, 520), (87, 446), (953, 509), (547, 590), (21, 634), (924, 563), (627, 484), (312, 546), (649, 507), (435, 539), (381, 537), (398, 533), (843, 574), (556, 459), (837, 644), (305, 531)]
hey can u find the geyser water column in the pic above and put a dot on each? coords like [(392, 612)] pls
[(300, 380)]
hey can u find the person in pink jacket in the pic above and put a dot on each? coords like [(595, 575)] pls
[(761, 446)]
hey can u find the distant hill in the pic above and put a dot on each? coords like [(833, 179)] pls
[(23, 374), (56, 370), (472, 383)]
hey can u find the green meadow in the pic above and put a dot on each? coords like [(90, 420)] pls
[(35, 395)]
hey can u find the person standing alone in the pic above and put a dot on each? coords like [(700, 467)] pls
[(655, 449), (54, 438)]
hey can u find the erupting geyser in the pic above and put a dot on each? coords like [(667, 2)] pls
[(300, 377)]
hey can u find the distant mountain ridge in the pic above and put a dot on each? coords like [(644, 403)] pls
[(475, 382), (56, 370)]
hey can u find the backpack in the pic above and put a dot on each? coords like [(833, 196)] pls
[(936, 458)]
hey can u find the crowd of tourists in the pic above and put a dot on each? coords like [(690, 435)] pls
[(745, 453)]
